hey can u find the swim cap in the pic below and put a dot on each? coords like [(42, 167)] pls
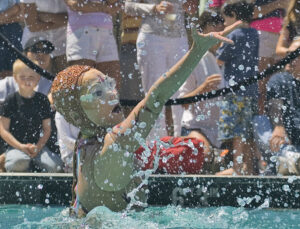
[(66, 96)]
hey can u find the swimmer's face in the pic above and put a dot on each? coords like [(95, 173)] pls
[(99, 98), (26, 78)]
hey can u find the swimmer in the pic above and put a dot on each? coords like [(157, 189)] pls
[(104, 162)]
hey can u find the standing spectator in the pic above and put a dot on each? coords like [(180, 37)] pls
[(10, 16), (26, 125), (283, 94), (240, 62), (90, 39), (161, 42), (131, 79), (47, 19), (204, 116), (290, 32), (267, 20)]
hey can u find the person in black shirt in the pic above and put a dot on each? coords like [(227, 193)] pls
[(26, 126)]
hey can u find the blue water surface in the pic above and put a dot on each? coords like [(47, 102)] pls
[(28, 216)]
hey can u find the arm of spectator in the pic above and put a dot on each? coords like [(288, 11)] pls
[(260, 11), (35, 23), (109, 7), (11, 15), (56, 18), (279, 135), (282, 47), (211, 83), (9, 138), (46, 125), (134, 8)]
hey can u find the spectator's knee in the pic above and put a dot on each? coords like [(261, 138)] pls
[(20, 165)]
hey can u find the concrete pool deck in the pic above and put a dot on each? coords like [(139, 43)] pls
[(185, 190)]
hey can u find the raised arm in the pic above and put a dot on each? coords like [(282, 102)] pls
[(147, 111)]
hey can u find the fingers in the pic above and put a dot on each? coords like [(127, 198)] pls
[(221, 38), (276, 142)]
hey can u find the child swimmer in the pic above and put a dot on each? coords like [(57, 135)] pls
[(103, 158)]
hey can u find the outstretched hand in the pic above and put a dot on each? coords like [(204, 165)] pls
[(214, 37)]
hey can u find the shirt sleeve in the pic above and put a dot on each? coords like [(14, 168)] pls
[(45, 108), (135, 8), (6, 109), (227, 51)]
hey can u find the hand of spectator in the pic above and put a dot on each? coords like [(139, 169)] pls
[(25, 148), (164, 7), (212, 82), (278, 138), (33, 149), (74, 4)]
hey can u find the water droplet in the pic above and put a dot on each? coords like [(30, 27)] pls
[(47, 201), (241, 67), (286, 188), (142, 125), (40, 186), (140, 44), (231, 82), (179, 182), (113, 102)]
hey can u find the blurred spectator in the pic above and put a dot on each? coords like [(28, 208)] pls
[(47, 19), (290, 33), (267, 19), (283, 94), (161, 42), (90, 39), (26, 125), (240, 62), (131, 87), (204, 116), (10, 15), (38, 50), (66, 135)]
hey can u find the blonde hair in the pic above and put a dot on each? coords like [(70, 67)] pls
[(19, 66)]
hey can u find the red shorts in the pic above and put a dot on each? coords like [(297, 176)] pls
[(180, 155)]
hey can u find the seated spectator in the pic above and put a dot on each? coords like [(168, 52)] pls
[(10, 16), (283, 94), (25, 125)]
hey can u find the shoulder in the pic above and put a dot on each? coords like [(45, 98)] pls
[(280, 80)]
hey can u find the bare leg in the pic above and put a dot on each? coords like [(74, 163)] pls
[(264, 63), (111, 68), (2, 163)]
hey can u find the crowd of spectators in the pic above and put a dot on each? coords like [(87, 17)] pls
[(153, 36)]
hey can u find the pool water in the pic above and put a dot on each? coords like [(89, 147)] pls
[(28, 216)]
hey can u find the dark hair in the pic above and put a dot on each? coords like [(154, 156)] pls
[(209, 17), (242, 10)]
